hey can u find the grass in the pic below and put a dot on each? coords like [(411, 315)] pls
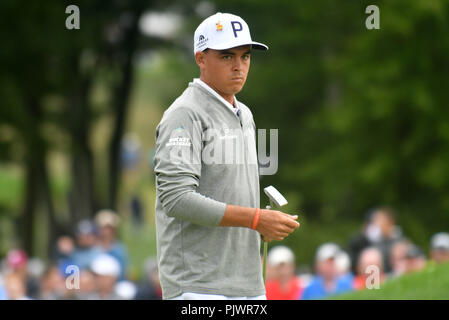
[(432, 283)]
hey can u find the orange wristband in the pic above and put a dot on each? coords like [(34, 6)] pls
[(256, 219)]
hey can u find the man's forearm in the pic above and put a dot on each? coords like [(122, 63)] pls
[(272, 224), (237, 216), (196, 208)]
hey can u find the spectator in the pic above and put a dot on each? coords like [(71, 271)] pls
[(62, 253), (3, 295), (86, 250), (343, 265), (385, 219), (136, 211), (106, 270), (415, 259), (439, 247), (17, 263), (398, 258), (327, 280), (150, 288), (284, 285), (108, 222), (130, 151), (53, 285), (125, 290), (369, 234), (15, 287), (87, 287), (369, 257)]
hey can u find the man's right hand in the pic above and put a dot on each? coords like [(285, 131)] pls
[(276, 225), (272, 224)]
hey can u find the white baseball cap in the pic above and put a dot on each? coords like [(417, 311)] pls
[(279, 255), (105, 265), (327, 251), (343, 262), (440, 241), (126, 290), (223, 31)]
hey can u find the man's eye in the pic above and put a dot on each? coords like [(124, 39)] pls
[(226, 57), (245, 57)]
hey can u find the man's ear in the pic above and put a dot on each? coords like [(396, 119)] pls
[(199, 58)]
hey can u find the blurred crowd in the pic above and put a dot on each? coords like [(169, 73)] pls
[(379, 252), (92, 265)]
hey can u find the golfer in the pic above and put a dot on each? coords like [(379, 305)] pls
[(208, 215)]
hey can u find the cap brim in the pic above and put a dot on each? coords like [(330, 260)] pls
[(259, 46), (254, 45)]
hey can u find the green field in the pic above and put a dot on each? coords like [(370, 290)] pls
[(432, 283)]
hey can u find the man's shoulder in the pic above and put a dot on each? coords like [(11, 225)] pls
[(244, 106), (185, 101), (189, 102)]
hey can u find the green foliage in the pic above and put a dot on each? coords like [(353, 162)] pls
[(11, 186), (163, 75)]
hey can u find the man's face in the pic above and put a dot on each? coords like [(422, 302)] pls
[(87, 281), (225, 70), (285, 270), (440, 256), (107, 232), (367, 259), (398, 256), (86, 240), (327, 268), (385, 223), (105, 284)]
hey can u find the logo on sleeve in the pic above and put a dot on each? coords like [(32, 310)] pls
[(182, 142), (179, 138)]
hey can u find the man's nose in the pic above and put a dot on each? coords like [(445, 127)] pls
[(237, 66)]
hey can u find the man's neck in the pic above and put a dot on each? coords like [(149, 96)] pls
[(228, 98)]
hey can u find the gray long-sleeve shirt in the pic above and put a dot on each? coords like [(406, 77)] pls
[(206, 158)]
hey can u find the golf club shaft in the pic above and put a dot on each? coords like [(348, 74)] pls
[(265, 251)]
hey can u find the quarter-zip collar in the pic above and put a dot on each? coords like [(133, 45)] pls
[(235, 109)]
